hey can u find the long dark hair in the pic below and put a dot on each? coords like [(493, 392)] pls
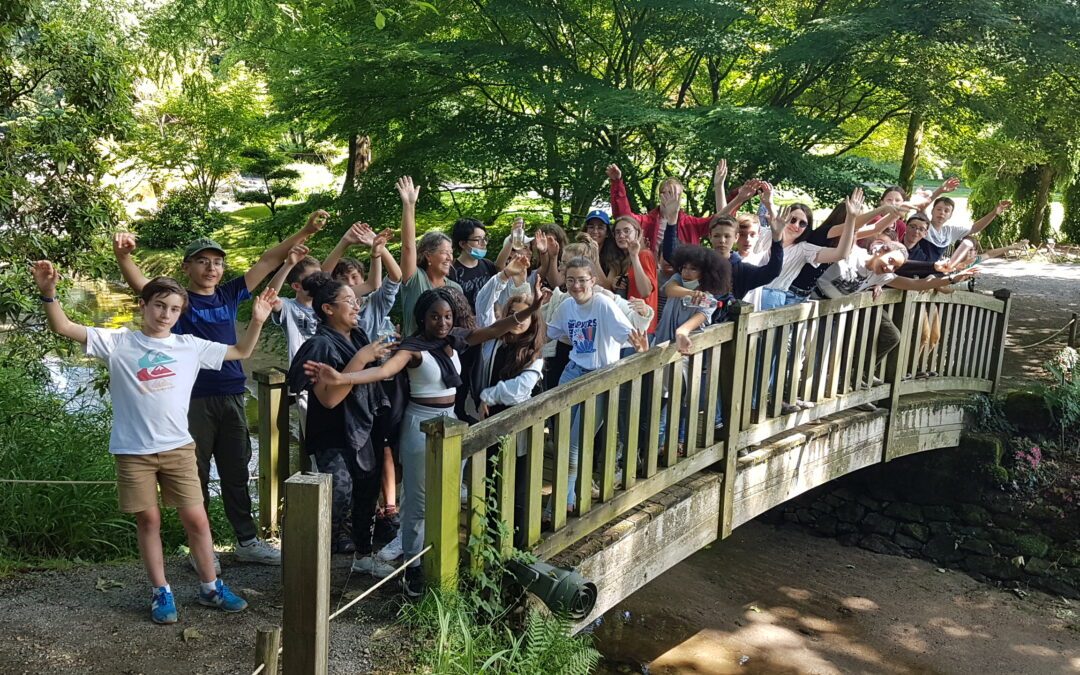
[(526, 346), (459, 307), (836, 217), (715, 269), (323, 290), (799, 206)]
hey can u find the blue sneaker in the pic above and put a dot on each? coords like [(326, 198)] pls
[(163, 607), (222, 598)]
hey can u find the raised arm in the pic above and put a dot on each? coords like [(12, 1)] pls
[(273, 257), (981, 223), (746, 191), (358, 233), (296, 254), (507, 247), (380, 251), (502, 326), (260, 310), (409, 194), (548, 248), (620, 203), (642, 279), (123, 245), (719, 191), (853, 205), (46, 278)]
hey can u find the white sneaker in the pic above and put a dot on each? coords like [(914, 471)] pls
[(371, 565), (217, 563), (260, 552), (391, 551)]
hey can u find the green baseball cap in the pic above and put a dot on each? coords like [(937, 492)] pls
[(202, 244)]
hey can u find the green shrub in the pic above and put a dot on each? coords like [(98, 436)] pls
[(181, 217)]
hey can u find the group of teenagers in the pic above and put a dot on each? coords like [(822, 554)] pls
[(475, 338)]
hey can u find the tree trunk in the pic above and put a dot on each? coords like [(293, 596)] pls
[(554, 184), (358, 162), (912, 150), (1033, 228)]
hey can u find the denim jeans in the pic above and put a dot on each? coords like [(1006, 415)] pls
[(770, 299), (572, 372)]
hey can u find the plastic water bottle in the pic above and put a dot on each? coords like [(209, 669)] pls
[(706, 302), (517, 234)]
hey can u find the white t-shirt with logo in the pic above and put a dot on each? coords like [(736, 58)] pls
[(596, 330), (150, 381), (850, 276), (947, 235)]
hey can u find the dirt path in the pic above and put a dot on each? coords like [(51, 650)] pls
[(789, 602), (59, 622), (1044, 296)]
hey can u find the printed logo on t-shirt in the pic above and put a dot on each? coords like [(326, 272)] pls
[(152, 367), (582, 335), (850, 286)]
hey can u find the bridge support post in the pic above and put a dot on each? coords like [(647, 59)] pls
[(731, 388), (273, 446), (443, 506), (895, 367), (1001, 328), (305, 575)]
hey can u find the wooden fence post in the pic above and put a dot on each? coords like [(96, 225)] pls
[(1001, 329), (305, 559), (732, 367), (442, 500), (895, 366), (273, 445), (1073, 329), (267, 642)]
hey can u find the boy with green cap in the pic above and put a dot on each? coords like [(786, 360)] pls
[(216, 417)]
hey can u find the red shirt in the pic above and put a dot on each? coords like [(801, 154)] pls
[(648, 263), (690, 229)]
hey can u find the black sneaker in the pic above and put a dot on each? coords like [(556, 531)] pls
[(412, 582), (343, 544)]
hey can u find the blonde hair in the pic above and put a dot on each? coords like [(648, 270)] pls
[(669, 180)]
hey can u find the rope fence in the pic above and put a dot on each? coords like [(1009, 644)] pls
[(1072, 322)]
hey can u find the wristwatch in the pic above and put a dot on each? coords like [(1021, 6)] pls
[(47, 299)]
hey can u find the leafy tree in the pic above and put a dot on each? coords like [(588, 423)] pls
[(181, 217), (276, 177)]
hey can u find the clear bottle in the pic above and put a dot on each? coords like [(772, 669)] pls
[(706, 301), (517, 235)]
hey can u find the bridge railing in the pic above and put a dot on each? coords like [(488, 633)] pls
[(745, 381)]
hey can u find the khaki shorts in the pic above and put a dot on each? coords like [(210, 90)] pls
[(138, 478)]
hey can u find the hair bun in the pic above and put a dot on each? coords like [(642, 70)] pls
[(315, 281)]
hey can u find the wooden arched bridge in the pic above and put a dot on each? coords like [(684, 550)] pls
[(648, 502)]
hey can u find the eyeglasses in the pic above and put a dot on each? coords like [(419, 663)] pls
[(218, 263), (577, 281), (480, 240), (352, 301)]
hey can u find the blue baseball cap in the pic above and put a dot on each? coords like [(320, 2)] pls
[(599, 215)]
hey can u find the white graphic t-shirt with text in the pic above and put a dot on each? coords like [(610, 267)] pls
[(596, 330)]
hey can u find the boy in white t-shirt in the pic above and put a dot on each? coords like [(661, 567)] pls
[(596, 330), (940, 235), (151, 373)]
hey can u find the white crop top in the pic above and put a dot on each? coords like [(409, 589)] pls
[(425, 380)]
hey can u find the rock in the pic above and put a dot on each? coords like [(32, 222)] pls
[(977, 546), (905, 511), (914, 530), (969, 531), (826, 524), (845, 528), (790, 517), (1056, 585), (850, 512), (820, 506), (831, 500), (906, 542), (849, 539), (938, 528), (881, 491), (1003, 537), (869, 502), (878, 524), (806, 516), (1070, 559), (1032, 545), (942, 548), (973, 514), (879, 544), (1028, 411), (937, 512), (999, 503), (844, 494), (1037, 566), (1008, 522), (991, 567)]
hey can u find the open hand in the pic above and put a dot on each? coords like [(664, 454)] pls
[(321, 372), (682, 343), (540, 240), (316, 221), (409, 193), (639, 341), (359, 233), (482, 412), (123, 244), (720, 175), (263, 304), (517, 265), (296, 254), (854, 203), (45, 277), (778, 223), (949, 185), (376, 351), (614, 172), (1002, 207)]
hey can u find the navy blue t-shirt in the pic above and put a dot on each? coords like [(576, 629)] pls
[(213, 317)]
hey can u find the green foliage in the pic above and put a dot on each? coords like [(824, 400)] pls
[(1063, 396), (989, 415), (1070, 226), (277, 178), (44, 436), (181, 218)]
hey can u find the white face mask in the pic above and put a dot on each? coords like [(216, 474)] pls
[(690, 285)]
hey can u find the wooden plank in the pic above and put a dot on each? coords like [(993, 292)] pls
[(974, 344), (534, 481), (932, 384), (732, 381), (476, 507), (561, 477), (828, 343), (851, 344), (761, 321), (442, 469), (798, 363), (488, 432), (810, 362), (656, 394), (625, 500), (267, 643), (633, 434), (837, 348), (746, 370), (955, 343), (862, 347), (583, 486), (273, 404), (611, 439), (895, 367), (940, 360), (875, 329), (958, 297), (986, 328), (778, 425), (712, 395), (1000, 333), (783, 334), (671, 443), (504, 497), (694, 403), (761, 413), (305, 574), (964, 357)]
